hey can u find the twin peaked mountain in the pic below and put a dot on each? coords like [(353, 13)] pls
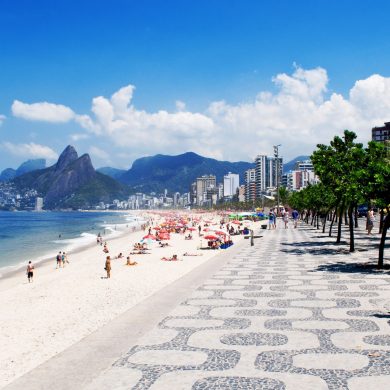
[(74, 183)]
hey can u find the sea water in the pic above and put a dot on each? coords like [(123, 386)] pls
[(37, 236)]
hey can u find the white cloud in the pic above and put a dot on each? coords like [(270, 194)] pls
[(300, 114), (78, 136), (100, 156), (30, 150), (180, 106), (42, 111), (99, 153)]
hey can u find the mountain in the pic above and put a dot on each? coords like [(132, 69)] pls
[(71, 183), (27, 166), (112, 172), (31, 165), (7, 174), (290, 165), (176, 173)]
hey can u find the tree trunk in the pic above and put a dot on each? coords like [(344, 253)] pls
[(356, 217), (346, 217), (386, 225), (312, 218), (351, 232), (338, 240), (318, 220), (325, 219), (333, 220), (381, 215)]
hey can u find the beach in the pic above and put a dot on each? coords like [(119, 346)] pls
[(62, 306)]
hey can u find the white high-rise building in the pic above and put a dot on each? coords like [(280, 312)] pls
[(231, 182), (204, 183), (306, 165), (38, 204), (268, 173), (250, 185)]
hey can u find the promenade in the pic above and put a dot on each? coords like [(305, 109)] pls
[(294, 311)]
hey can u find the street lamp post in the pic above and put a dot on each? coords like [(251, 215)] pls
[(276, 154)]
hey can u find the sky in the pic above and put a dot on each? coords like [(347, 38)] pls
[(124, 79)]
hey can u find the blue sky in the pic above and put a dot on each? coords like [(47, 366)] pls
[(206, 76)]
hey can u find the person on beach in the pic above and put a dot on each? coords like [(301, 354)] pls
[(108, 267), (129, 262), (30, 271), (173, 258), (105, 249), (63, 259), (59, 260)]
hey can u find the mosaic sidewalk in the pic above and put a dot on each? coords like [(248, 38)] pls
[(283, 314)]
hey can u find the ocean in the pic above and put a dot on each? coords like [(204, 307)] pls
[(37, 236)]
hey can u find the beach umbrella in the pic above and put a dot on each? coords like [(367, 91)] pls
[(220, 233), (157, 228), (191, 229), (236, 222), (210, 237), (149, 237), (206, 229)]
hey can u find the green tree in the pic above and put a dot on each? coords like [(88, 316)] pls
[(340, 167), (284, 195), (376, 184)]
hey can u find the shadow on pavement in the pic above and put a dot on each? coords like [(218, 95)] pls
[(313, 243), (316, 251), (364, 268), (382, 315)]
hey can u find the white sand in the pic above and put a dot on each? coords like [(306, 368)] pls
[(62, 306)]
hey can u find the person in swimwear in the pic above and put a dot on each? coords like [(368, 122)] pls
[(173, 258), (129, 262), (30, 272)]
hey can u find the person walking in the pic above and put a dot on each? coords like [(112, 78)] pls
[(295, 216), (271, 217), (30, 271), (108, 267), (59, 260), (370, 221), (286, 218), (65, 258)]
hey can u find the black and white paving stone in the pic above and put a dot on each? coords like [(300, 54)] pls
[(277, 316)]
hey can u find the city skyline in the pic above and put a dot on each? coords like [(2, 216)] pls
[(131, 80)]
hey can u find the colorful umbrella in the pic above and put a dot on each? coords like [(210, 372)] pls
[(210, 237), (149, 237)]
